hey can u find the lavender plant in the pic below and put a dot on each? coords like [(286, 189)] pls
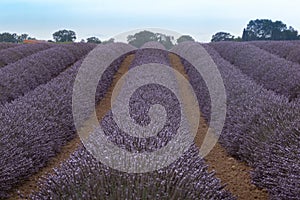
[(5, 45), (272, 72), (33, 128), (82, 177), (261, 127), (289, 50), (26, 74), (153, 45), (14, 54), (150, 55)]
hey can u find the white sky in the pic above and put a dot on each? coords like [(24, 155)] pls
[(105, 19)]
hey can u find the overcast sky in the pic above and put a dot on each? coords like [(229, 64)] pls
[(105, 19)]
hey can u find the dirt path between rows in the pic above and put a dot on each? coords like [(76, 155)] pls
[(31, 185), (235, 174)]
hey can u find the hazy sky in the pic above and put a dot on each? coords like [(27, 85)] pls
[(105, 19)]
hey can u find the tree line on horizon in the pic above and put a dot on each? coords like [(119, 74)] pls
[(259, 29)]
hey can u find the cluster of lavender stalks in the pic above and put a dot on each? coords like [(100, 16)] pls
[(82, 177)]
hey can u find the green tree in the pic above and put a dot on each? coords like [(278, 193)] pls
[(64, 36), (266, 29), (93, 40), (140, 38), (290, 34), (111, 40), (222, 36), (184, 38), (8, 37), (165, 40), (22, 37), (31, 38)]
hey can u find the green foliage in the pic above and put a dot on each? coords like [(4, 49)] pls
[(64, 36), (140, 38), (93, 40), (13, 37), (185, 38), (238, 39), (165, 40), (222, 36), (265, 29), (111, 40)]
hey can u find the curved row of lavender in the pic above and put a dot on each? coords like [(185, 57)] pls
[(261, 128), (140, 103), (152, 52), (82, 177), (271, 71), (153, 45), (14, 54), (33, 128), (26, 74), (289, 50), (5, 45)]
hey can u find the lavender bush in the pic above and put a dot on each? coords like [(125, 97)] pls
[(33, 128), (289, 50), (272, 72), (261, 128), (26, 74), (153, 45), (150, 55), (11, 55), (82, 177), (5, 45)]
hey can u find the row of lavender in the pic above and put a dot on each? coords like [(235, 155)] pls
[(82, 177), (289, 50), (261, 127), (266, 69), (20, 77), (11, 55), (35, 126), (5, 45)]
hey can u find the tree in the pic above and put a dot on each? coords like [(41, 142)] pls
[(111, 40), (290, 34), (165, 40), (64, 36), (185, 38), (93, 40), (265, 29), (140, 38), (22, 37), (8, 37), (238, 39), (222, 36), (13, 37), (31, 38)]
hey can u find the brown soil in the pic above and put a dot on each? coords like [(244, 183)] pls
[(235, 174), (31, 185)]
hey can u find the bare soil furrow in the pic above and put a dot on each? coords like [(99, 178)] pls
[(233, 173)]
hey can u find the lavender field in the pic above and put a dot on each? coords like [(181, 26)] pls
[(261, 129)]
